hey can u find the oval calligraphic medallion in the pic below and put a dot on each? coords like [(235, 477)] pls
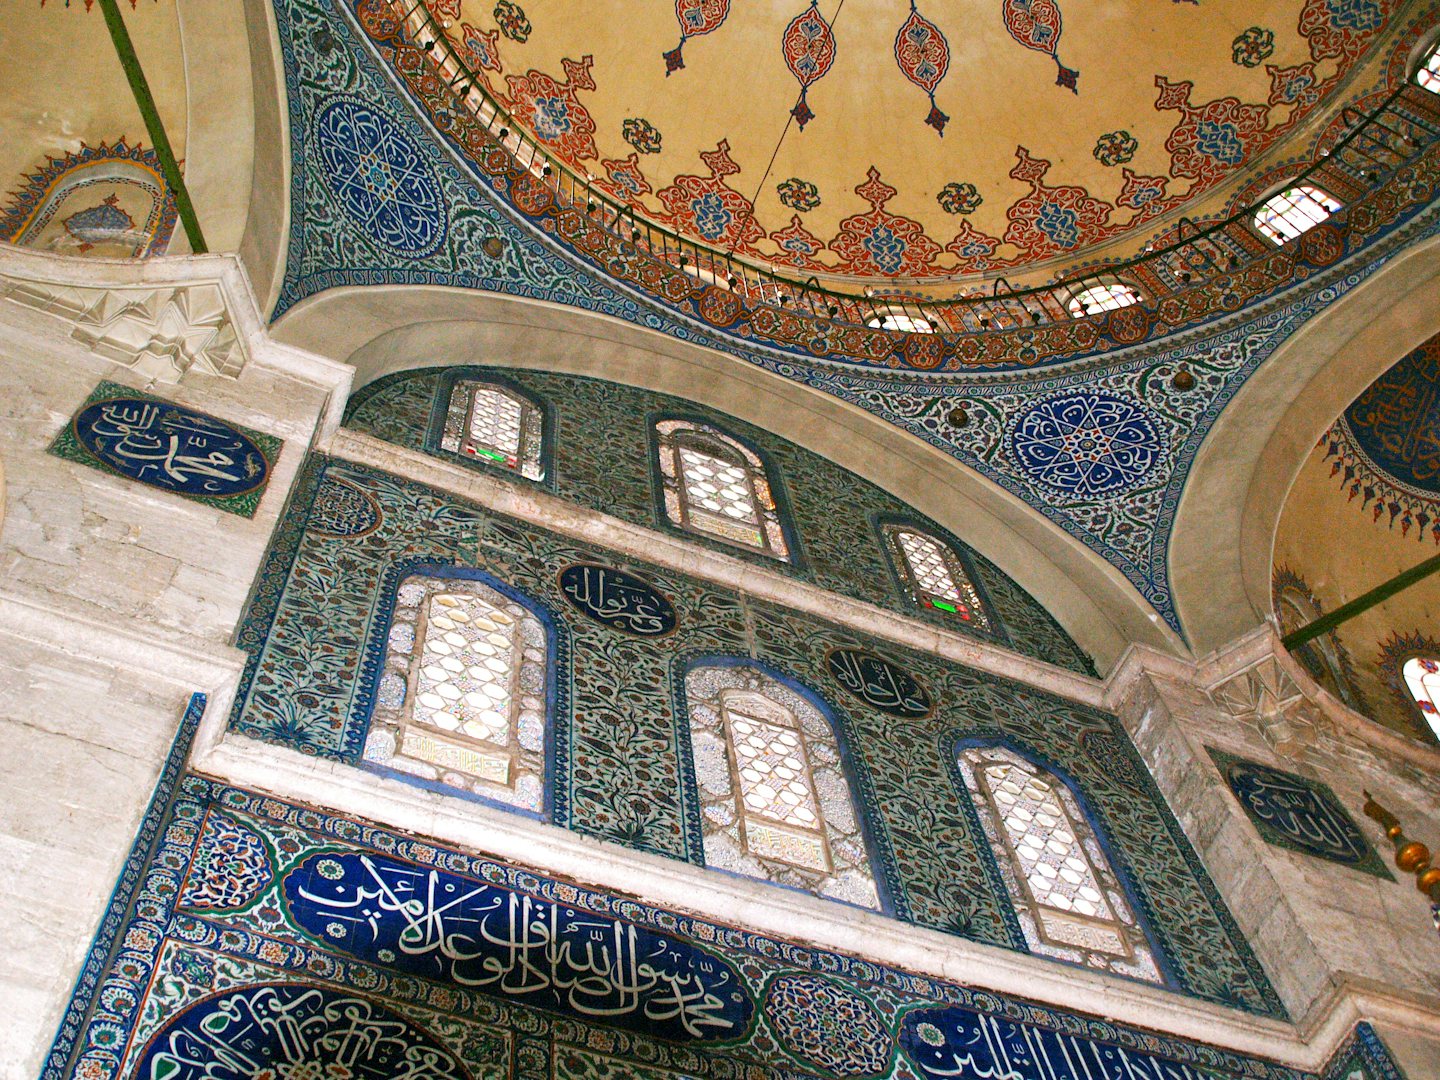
[(171, 447), (530, 949), (618, 600), (878, 682), (294, 1030)]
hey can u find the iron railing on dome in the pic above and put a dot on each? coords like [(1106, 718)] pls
[(1371, 149)]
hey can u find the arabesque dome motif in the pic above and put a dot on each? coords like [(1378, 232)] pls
[(875, 139)]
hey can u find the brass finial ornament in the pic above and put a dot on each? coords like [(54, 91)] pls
[(1411, 856), (958, 417)]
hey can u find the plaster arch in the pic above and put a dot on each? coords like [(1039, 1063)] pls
[(1222, 548), (381, 330)]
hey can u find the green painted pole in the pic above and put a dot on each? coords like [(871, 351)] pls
[(125, 49), (1377, 595)]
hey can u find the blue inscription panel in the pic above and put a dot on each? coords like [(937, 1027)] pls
[(293, 1030), (953, 1042), (1297, 813), (879, 683), (458, 930), (171, 447), (618, 600)]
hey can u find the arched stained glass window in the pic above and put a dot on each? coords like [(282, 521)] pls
[(461, 699), (1287, 214), (774, 800), (494, 424), (1106, 296), (935, 577), (717, 485), (1068, 900), (1422, 679), (1427, 75)]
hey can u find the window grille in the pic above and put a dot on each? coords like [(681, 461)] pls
[(775, 802), (494, 424), (1069, 903), (1109, 296), (461, 699), (1286, 215), (1422, 679), (717, 486), (935, 577)]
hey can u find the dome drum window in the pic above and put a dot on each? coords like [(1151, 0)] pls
[(491, 423), (461, 699), (896, 317), (1069, 902), (1108, 295), (717, 486), (1291, 212), (1422, 679), (1427, 74)]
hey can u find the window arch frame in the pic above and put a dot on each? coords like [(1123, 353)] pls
[(900, 573), (952, 745), (440, 410), (1294, 183), (555, 750), (879, 857), (773, 479), (1417, 64)]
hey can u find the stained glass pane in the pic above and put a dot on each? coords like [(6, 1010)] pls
[(466, 665), (1293, 211), (492, 424), (461, 699), (1053, 862), (1066, 897), (774, 780), (716, 485), (939, 578), (1422, 676)]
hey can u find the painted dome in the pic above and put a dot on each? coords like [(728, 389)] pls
[(879, 139)]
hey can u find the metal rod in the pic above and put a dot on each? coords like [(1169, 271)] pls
[(125, 50), (1361, 604)]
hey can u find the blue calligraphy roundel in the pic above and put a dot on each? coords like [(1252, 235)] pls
[(380, 177), (289, 1029), (171, 447), (879, 683), (1087, 445), (618, 600)]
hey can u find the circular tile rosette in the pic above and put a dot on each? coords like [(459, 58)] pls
[(380, 178), (827, 1026), (1087, 445)]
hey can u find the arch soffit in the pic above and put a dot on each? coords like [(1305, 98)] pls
[(1223, 544), (385, 329)]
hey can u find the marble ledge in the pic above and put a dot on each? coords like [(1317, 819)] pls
[(155, 652), (675, 554)]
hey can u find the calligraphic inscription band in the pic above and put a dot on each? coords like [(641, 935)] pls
[(171, 447), (1297, 813), (458, 930), (618, 600), (288, 1029), (955, 1042), (878, 682)]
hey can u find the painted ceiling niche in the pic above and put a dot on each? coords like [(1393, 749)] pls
[(1100, 442), (1365, 507), (75, 179), (906, 140)]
